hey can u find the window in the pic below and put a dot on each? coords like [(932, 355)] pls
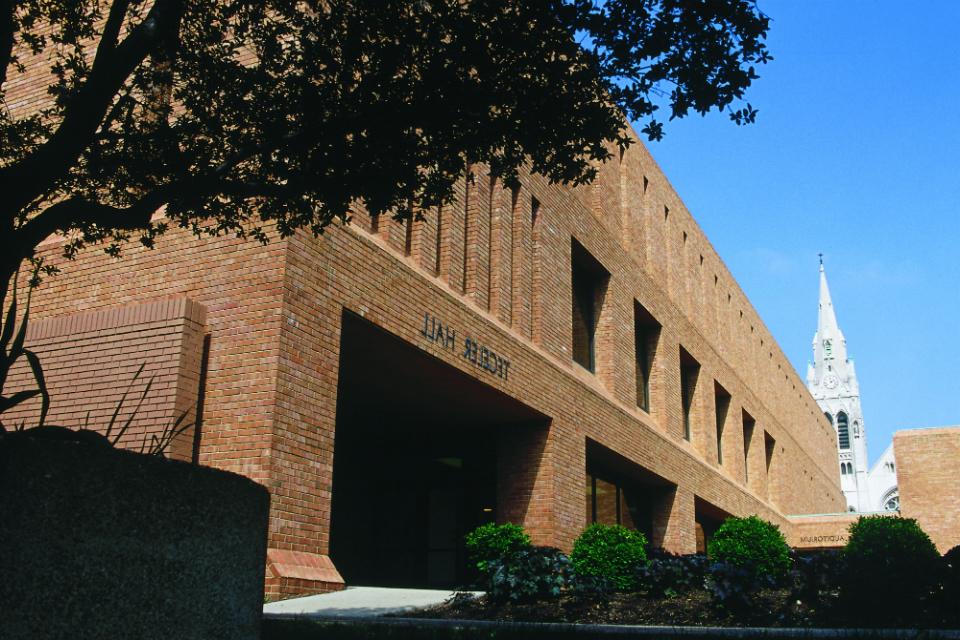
[(722, 404), (829, 418), (891, 502), (748, 426), (646, 332), (843, 431), (589, 284), (843, 469), (689, 372), (769, 448), (611, 500)]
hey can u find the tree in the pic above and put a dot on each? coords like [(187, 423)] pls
[(252, 116)]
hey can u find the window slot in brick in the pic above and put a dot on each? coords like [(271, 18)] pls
[(722, 406), (689, 373), (589, 285), (646, 332), (749, 425)]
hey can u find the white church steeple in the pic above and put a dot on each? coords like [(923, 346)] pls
[(832, 379)]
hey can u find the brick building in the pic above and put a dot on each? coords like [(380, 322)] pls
[(547, 355)]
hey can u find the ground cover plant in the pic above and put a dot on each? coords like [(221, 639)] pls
[(749, 577)]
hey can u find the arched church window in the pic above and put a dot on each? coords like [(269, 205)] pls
[(843, 469), (829, 418), (891, 501), (850, 468), (843, 431)]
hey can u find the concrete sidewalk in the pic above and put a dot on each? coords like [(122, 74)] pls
[(359, 602)]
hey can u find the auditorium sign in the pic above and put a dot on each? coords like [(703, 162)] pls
[(469, 349)]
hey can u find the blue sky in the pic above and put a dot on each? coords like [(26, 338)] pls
[(855, 153)]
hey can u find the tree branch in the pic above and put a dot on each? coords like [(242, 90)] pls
[(111, 30), (29, 178), (77, 211)]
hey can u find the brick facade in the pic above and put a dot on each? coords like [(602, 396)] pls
[(256, 332), (491, 270)]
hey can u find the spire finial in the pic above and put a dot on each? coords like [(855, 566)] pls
[(820, 255)]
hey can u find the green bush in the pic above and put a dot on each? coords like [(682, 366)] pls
[(753, 545), (610, 553), (495, 542), (891, 568)]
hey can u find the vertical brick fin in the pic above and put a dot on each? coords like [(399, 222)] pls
[(506, 257), (536, 273), (481, 215), (438, 242), (452, 241), (521, 267), (90, 359), (469, 275), (497, 262)]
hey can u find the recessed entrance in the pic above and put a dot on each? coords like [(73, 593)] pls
[(416, 457)]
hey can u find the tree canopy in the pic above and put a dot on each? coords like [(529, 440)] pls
[(260, 116)]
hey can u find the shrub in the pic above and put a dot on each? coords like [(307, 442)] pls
[(495, 542), (610, 552), (891, 567), (950, 595), (669, 574), (732, 586), (815, 577), (752, 544), (529, 574)]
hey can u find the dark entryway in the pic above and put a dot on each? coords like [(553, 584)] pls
[(415, 461)]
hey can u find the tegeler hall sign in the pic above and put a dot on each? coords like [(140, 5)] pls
[(469, 349)]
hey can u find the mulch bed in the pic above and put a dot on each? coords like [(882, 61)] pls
[(696, 608)]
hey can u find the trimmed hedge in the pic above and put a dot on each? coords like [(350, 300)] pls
[(610, 553), (495, 543), (753, 545), (891, 569)]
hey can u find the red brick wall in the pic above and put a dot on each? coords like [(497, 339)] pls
[(928, 466), (482, 265), (90, 360)]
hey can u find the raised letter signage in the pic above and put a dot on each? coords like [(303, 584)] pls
[(476, 353)]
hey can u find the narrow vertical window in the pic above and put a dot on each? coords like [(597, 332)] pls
[(646, 332), (843, 431), (748, 427), (722, 406), (689, 372), (769, 448), (588, 284)]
